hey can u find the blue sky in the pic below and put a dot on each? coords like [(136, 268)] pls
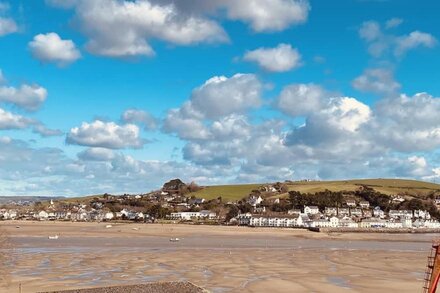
[(119, 96)]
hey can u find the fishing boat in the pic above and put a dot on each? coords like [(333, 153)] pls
[(53, 237), (174, 239)]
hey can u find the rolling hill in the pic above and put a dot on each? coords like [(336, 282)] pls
[(386, 186)]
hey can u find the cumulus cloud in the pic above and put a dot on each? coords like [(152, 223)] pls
[(143, 118), (380, 42), (124, 28), (51, 48), (96, 154), (376, 80), (105, 135), (279, 59), (9, 120), (408, 124), (220, 96), (217, 97), (28, 97), (301, 99)]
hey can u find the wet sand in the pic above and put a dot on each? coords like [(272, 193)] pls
[(221, 259)]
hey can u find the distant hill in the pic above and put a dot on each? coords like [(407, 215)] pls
[(31, 199), (386, 186)]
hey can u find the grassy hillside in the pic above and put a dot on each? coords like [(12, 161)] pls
[(386, 186), (227, 192)]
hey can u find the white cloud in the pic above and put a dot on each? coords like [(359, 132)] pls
[(51, 48), (9, 120), (221, 96), (44, 131), (380, 42), (29, 97), (301, 99), (96, 154), (376, 80), (105, 135), (124, 28), (139, 117), (407, 124), (7, 26), (218, 97), (279, 59), (268, 15), (393, 22), (414, 40)]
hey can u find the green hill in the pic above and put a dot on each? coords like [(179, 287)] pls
[(386, 186)]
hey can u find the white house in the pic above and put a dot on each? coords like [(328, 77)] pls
[(334, 222), (244, 219), (255, 200), (311, 210), (364, 204), (355, 212), (432, 224), (342, 212), (378, 213), (330, 211), (109, 216), (321, 223), (43, 215), (350, 203)]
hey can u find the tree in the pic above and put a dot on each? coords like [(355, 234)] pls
[(232, 213)]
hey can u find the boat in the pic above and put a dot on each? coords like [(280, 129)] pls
[(174, 239), (53, 237), (108, 226)]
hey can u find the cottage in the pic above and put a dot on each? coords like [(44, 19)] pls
[(244, 219), (367, 213), (334, 222), (355, 212), (364, 204), (255, 200), (260, 210), (43, 215), (350, 203), (321, 223), (378, 213), (294, 212), (348, 223), (330, 211), (311, 210), (109, 216), (342, 212)]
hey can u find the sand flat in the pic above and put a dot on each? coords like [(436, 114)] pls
[(220, 259)]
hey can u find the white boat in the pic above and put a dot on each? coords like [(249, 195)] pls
[(53, 237), (174, 239), (108, 226)]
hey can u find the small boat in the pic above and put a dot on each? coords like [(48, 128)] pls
[(174, 239), (108, 226), (135, 229), (53, 237)]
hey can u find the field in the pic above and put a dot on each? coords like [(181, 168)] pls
[(227, 192), (386, 186)]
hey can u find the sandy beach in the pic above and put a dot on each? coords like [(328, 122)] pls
[(221, 259)]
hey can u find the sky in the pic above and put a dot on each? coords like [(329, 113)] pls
[(120, 96)]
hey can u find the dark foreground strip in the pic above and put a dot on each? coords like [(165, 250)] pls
[(157, 287)]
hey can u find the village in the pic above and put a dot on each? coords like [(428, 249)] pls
[(173, 203)]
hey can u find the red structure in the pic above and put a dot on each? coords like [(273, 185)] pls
[(432, 274)]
